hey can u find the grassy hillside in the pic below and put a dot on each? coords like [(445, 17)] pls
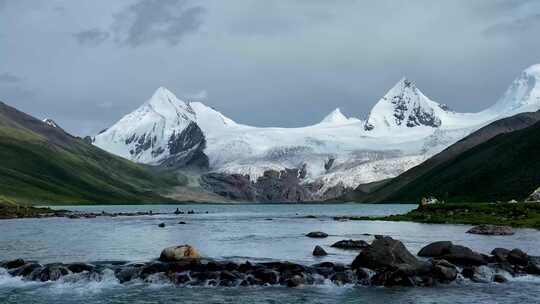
[(43, 164), (503, 168), (484, 166), (515, 215)]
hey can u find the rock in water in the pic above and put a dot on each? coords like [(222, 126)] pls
[(435, 249), (384, 253), (491, 230), (161, 225), (317, 234), (319, 251), (179, 253), (456, 254), (518, 257), (350, 244)]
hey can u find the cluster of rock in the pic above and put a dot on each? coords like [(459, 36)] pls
[(384, 262)]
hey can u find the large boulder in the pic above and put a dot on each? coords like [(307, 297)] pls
[(179, 253), (517, 257), (491, 230), (319, 251), (384, 253), (435, 249), (456, 254)]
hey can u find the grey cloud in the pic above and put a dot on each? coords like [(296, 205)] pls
[(149, 21), (519, 25), (9, 78), (91, 37), (261, 62)]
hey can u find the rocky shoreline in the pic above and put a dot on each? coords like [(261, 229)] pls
[(384, 262), (45, 212)]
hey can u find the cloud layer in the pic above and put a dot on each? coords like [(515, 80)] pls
[(268, 63)]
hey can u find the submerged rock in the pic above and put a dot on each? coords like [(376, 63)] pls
[(179, 253), (317, 234), (350, 244), (12, 264), (491, 230)]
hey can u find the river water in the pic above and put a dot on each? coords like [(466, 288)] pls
[(239, 232)]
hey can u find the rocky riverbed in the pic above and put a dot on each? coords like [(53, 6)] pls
[(384, 262)]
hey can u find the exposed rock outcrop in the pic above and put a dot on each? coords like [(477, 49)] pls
[(272, 186)]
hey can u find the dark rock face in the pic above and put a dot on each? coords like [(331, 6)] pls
[(187, 149), (273, 186), (231, 186), (491, 230), (351, 244)]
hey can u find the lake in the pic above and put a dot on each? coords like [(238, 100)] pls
[(255, 232)]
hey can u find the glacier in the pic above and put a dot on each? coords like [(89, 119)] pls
[(403, 129)]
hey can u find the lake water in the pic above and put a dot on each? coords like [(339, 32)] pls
[(239, 232)]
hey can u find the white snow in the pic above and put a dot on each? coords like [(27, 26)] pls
[(51, 123), (152, 123), (361, 155)]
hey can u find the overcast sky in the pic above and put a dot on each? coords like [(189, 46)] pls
[(85, 63)]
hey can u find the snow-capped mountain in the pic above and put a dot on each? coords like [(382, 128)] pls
[(404, 106), (162, 131), (403, 129)]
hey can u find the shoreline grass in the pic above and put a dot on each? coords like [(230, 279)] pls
[(522, 215)]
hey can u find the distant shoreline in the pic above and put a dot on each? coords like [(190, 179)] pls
[(521, 215)]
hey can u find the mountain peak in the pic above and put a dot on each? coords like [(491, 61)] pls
[(165, 103), (533, 70), (523, 95), (403, 105), (335, 117)]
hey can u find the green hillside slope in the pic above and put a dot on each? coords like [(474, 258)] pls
[(503, 168), (44, 164)]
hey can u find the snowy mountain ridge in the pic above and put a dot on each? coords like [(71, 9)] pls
[(403, 129)]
